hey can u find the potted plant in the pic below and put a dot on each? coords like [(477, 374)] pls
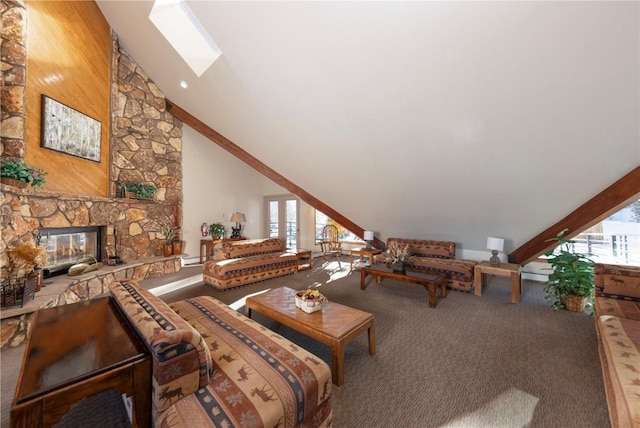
[(25, 260), (571, 284), (169, 233), (177, 243), (216, 230), (20, 174), (398, 257), (137, 190)]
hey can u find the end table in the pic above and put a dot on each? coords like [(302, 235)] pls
[(512, 270), (364, 252)]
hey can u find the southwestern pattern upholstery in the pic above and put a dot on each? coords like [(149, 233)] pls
[(256, 378), (617, 308), (438, 256), (249, 261), (180, 357)]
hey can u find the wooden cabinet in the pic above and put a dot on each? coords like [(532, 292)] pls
[(74, 352)]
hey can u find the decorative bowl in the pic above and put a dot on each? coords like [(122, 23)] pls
[(309, 305)]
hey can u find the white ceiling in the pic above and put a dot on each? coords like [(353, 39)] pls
[(443, 120)]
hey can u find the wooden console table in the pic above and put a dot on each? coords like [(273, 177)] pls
[(209, 244), (74, 352)]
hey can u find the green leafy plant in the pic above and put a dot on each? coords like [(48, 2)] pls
[(572, 272), (170, 233), (141, 190), (216, 230), (22, 172)]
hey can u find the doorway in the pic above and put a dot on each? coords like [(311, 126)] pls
[(283, 212)]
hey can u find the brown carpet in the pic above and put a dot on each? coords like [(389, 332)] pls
[(471, 362)]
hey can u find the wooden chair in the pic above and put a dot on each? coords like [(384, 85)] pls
[(330, 245)]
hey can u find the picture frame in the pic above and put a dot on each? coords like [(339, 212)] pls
[(66, 130)]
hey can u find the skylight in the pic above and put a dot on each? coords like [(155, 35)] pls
[(179, 25)]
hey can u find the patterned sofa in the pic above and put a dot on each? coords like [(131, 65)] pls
[(212, 366), (437, 256), (245, 262), (617, 309)]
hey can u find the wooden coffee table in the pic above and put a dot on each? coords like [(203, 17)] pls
[(335, 325), (430, 281)]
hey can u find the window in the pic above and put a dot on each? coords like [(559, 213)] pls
[(615, 240), (345, 235)]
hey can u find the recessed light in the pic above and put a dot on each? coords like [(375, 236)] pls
[(183, 84)]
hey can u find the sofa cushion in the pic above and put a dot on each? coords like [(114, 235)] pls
[(247, 264), (620, 352), (619, 308), (622, 282), (181, 360), (250, 247), (461, 270), (259, 378), (424, 248)]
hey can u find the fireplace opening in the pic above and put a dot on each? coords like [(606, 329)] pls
[(67, 246)]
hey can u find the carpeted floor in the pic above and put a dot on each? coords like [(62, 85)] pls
[(473, 361), (470, 362)]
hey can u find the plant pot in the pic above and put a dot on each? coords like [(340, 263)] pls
[(40, 276), (167, 250), (574, 303), (399, 267), (177, 247), (13, 182)]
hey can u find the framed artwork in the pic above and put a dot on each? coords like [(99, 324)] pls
[(68, 131)]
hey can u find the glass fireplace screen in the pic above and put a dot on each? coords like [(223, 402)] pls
[(68, 246)]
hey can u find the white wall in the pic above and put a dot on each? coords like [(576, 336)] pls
[(217, 184)]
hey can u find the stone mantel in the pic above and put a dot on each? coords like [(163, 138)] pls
[(65, 289)]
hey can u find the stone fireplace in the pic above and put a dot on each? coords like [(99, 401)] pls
[(145, 145)]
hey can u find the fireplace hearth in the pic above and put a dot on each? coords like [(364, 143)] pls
[(67, 246)]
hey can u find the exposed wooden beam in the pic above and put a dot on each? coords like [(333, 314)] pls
[(262, 168), (612, 199)]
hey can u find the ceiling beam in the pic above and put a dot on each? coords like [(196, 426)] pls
[(262, 168), (610, 200)]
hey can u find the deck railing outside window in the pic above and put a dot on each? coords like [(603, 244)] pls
[(610, 248)]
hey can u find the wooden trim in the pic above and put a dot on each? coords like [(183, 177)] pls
[(259, 166), (610, 200)]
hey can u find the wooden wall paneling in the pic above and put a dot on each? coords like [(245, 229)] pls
[(69, 60)]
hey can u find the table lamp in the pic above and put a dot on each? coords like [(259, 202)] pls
[(368, 237), (238, 217), (495, 245)]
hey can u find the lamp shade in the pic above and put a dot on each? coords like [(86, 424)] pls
[(368, 235), (237, 217), (495, 244)]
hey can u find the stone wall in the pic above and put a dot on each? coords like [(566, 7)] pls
[(146, 146), (13, 60), (147, 140)]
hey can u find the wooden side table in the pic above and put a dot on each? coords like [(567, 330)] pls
[(512, 270), (210, 244), (75, 351), (305, 259), (363, 252)]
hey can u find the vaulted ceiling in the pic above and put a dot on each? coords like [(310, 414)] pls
[(442, 120)]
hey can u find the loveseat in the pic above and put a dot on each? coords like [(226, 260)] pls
[(248, 261), (617, 310), (212, 366), (437, 256)]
